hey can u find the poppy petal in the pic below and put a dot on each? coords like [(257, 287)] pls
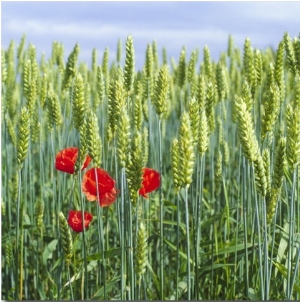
[(75, 220), (87, 161), (151, 181), (65, 160), (108, 198), (105, 185)]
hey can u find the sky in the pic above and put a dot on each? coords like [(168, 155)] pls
[(171, 24)]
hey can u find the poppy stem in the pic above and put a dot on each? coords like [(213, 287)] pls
[(85, 295), (100, 232)]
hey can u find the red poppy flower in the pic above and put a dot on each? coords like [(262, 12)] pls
[(66, 158), (106, 186), (151, 181), (75, 220)]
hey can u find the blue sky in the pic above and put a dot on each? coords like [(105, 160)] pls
[(172, 24)]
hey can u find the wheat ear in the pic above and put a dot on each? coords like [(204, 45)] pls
[(129, 67), (67, 241), (141, 252), (93, 140), (116, 100), (78, 102), (23, 136), (161, 91), (70, 70), (290, 54), (186, 153)]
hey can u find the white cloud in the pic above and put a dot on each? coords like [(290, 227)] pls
[(273, 11), (40, 27), (93, 31), (263, 22)]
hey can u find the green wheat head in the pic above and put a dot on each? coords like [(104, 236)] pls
[(250, 145), (277, 179), (220, 130), (186, 155), (203, 134), (155, 56), (297, 52), (247, 96), (279, 70), (271, 110), (30, 74), (78, 102), (141, 252), (134, 166), (93, 140), (258, 65), (35, 128), (94, 62), (148, 69), (246, 130), (260, 175), (136, 113), (290, 53), (11, 130), (57, 56), (293, 135), (194, 118), (191, 72), (161, 91), (123, 137), (181, 69), (23, 136), (129, 68), (53, 110), (8, 253), (221, 81), (279, 164), (116, 100), (175, 163), (70, 70), (20, 52), (3, 67), (218, 173), (249, 66), (66, 237), (270, 76), (10, 65), (201, 92), (100, 85), (209, 106), (208, 69), (105, 69)]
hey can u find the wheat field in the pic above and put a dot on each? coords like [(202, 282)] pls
[(176, 181)]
